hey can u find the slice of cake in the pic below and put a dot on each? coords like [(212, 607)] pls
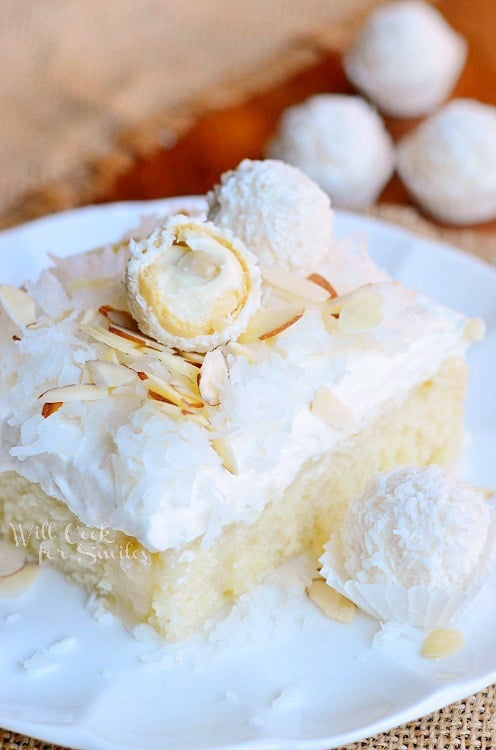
[(180, 415)]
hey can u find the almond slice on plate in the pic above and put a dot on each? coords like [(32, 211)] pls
[(266, 324), (321, 281), (213, 376), (294, 286), (110, 375), (226, 455), (20, 581), (331, 410), (335, 606), (12, 558), (441, 643), (18, 305)]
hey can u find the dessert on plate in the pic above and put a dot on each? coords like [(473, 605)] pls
[(186, 411)]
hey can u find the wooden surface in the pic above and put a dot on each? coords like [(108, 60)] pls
[(220, 139)]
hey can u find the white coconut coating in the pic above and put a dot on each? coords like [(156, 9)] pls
[(448, 163), (406, 58), (341, 143), (192, 285), (416, 526), (283, 217)]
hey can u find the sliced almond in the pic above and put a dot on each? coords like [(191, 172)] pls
[(76, 392), (177, 365), (193, 357), (226, 455), (20, 581), (171, 394), (12, 558), (213, 376), (474, 329), (18, 305), (294, 286), (333, 605), (118, 317), (266, 324), (238, 350), (134, 336), (316, 278), (442, 643), (110, 375), (117, 342), (50, 408), (330, 409), (362, 313)]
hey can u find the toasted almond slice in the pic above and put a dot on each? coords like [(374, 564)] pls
[(193, 357), (316, 278), (213, 376), (178, 365), (294, 285), (119, 343), (238, 350), (442, 643), (76, 392), (110, 375), (170, 393), (268, 323), (18, 305), (362, 313), (226, 455), (178, 413), (118, 317), (333, 605), (50, 408), (330, 409), (134, 336), (12, 558), (20, 581)]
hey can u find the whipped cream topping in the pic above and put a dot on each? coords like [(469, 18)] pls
[(123, 461)]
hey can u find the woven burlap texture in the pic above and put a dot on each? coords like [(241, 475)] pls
[(76, 73)]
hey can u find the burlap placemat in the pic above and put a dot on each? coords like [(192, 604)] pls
[(75, 74)]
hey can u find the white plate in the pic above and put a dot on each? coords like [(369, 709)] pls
[(306, 682)]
